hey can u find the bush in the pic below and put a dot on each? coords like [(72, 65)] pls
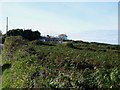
[(27, 34), (2, 38), (36, 42), (69, 45), (11, 45)]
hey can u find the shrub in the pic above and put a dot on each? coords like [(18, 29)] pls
[(11, 45), (27, 34), (69, 45)]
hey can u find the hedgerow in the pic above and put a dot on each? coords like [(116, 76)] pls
[(35, 64)]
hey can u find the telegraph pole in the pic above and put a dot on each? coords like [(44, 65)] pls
[(6, 25)]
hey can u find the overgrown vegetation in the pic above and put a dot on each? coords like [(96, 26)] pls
[(75, 64), (27, 34)]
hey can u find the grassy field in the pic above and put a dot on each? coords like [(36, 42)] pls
[(75, 64)]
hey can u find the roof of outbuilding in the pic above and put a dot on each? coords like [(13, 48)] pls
[(62, 35)]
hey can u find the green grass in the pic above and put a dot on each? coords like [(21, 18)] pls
[(73, 64), (6, 78)]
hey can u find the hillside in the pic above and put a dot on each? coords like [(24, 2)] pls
[(75, 64)]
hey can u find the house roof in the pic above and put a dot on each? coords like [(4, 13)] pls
[(63, 35)]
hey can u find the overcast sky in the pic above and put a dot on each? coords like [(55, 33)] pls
[(88, 21)]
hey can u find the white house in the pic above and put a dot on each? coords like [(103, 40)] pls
[(51, 39), (63, 36)]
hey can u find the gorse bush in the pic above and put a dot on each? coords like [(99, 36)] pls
[(35, 64)]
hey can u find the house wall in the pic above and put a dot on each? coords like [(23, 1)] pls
[(63, 37), (51, 40)]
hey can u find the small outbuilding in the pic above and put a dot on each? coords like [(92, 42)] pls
[(63, 36)]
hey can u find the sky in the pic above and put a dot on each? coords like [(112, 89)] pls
[(87, 21)]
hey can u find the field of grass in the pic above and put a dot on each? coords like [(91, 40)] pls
[(75, 64)]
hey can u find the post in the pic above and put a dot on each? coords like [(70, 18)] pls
[(6, 25)]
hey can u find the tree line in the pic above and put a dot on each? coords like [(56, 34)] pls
[(27, 34)]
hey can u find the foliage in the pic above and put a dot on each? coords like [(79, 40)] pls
[(2, 38), (35, 64), (5, 66), (11, 44), (27, 34), (0, 33)]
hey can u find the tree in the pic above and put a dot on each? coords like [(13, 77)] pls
[(15, 32), (27, 34)]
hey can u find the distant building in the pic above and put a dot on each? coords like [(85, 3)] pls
[(63, 36), (51, 39)]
